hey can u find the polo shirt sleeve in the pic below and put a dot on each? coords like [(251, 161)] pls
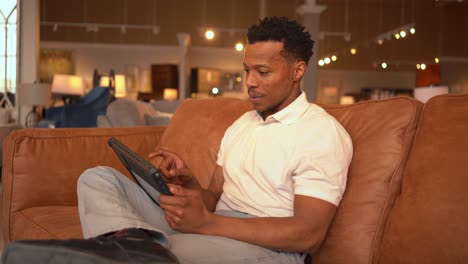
[(321, 163)]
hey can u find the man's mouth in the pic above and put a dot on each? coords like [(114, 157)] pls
[(255, 97)]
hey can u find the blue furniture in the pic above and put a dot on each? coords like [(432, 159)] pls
[(82, 113)]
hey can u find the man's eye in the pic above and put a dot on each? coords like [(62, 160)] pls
[(263, 72)]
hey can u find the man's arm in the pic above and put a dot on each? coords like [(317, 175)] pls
[(213, 193), (302, 232)]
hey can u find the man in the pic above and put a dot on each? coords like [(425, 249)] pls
[(281, 174)]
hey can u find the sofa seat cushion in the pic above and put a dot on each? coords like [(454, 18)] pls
[(48, 222), (429, 221)]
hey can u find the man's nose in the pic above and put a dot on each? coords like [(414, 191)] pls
[(250, 80)]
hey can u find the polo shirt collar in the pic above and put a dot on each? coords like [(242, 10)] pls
[(292, 112)]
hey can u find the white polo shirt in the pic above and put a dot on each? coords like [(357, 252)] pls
[(299, 150)]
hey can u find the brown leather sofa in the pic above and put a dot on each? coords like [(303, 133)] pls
[(407, 192)]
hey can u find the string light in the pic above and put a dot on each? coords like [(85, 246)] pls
[(402, 34), (326, 60), (384, 65), (334, 58), (321, 63), (412, 30), (418, 66), (239, 46), (436, 60), (209, 34), (353, 51), (423, 66)]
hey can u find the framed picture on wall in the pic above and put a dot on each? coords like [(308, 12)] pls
[(55, 61)]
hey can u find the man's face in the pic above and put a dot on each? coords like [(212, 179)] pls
[(272, 81)]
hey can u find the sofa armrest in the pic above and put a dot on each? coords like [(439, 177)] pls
[(41, 166)]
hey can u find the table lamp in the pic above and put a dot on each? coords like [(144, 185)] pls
[(425, 93), (34, 94), (67, 86)]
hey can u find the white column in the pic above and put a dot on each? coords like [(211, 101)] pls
[(184, 65), (311, 13), (28, 70), (262, 9)]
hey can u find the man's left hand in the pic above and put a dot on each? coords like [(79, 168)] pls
[(185, 211)]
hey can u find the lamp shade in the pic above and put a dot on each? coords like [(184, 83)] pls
[(120, 89), (34, 94), (425, 93), (67, 84), (170, 94)]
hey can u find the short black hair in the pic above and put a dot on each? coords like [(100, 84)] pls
[(297, 42)]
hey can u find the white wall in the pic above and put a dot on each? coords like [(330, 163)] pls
[(115, 56), (353, 81)]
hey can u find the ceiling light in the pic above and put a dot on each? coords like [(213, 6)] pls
[(353, 51), (209, 34), (436, 60), (321, 63), (423, 66), (384, 65), (327, 60), (334, 58), (239, 46)]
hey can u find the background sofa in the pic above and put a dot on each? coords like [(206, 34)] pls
[(406, 199), (129, 113)]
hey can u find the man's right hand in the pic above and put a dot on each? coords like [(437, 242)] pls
[(174, 169)]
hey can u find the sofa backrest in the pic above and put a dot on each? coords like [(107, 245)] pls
[(429, 221), (382, 134)]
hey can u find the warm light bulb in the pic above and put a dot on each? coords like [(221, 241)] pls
[(436, 60), (327, 60), (380, 41), (321, 63), (215, 90), (402, 34), (334, 58), (412, 30), (353, 51), (423, 66), (239, 46), (384, 65), (209, 34), (418, 66), (397, 36)]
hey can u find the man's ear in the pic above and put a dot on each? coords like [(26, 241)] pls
[(299, 70)]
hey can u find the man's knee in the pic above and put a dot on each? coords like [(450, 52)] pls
[(97, 176)]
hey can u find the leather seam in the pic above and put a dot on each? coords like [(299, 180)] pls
[(35, 224)]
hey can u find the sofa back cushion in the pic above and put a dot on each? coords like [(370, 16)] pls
[(382, 134), (196, 130), (429, 221)]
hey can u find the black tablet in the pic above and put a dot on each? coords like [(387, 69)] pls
[(145, 174)]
